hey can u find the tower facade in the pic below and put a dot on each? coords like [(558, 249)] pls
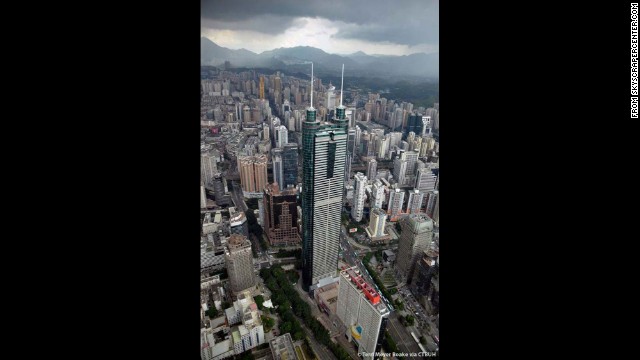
[(360, 309), (416, 237), (290, 164), (281, 216), (415, 201), (358, 197), (372, 168), (324, 150), (239, 263)]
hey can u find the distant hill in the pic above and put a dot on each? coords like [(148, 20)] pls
[(297, 59)]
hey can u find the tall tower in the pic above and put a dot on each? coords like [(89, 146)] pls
[(290, 165), (261, 87), (415, 201), (278, 173), (240, 263), (416, 237), (324, 150), (358, 197), (372, 168)]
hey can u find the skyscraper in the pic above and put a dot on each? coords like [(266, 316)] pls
[(278, 171), (324, 153), (239, 263), (400, 170), (361, 311), (358, 196), (377, 193), (415, 201), (208, 166), (424, 271), (372, 168), (425, 180), (416, 237), (396, 201), (283, 136), (281, 216), (432, 197), (290, 165), (253, 172), (377, 222)]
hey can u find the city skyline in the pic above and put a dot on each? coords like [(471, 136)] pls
[(344, 27)]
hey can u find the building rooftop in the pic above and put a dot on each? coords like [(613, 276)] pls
[(353, 274)]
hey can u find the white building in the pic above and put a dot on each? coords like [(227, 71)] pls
[(361, 310), (210, 350), (358, 196), (377, 222), (378, 194), (415, 201), (396, 201)]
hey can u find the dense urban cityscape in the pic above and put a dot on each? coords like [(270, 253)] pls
[(320, 213), (319, 189)]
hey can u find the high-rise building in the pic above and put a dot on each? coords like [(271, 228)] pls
[(396, 201), (400, 170), (290, 165), (432, 197), (377, 222), (219, 185), (203, 197), (238, 222), (372, 168), (240, 263), (358, 196), (253, 172), (208, 166), (378, 194), (425, 179), (424, 271), (361, 311), (283, 136), (347, 167), (324, 149), (436, 212), (261, 87), (351, 141), (415, 201), (278, 171), (281, 216), (415, 238)]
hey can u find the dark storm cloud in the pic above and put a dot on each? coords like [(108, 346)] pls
[(408, 22), (268, 23)]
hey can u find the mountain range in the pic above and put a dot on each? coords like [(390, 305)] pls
[(296, 59)]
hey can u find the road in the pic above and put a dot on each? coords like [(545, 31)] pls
[(412, 306), (237, 197), (398, 332)]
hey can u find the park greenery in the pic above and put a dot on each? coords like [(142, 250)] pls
[(259, 299), (297, 253), (290, 307), (212, 312)]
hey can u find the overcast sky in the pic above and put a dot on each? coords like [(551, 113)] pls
[(339, 27)]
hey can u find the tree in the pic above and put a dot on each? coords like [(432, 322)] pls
[(398, 228), (259, 299), (212, 312), (423, 340)]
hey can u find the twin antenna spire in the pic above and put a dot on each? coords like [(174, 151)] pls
[(341, 82), (312, 85)]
